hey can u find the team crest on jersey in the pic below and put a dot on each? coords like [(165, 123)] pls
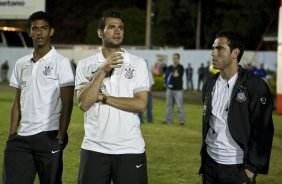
[(48, 70), (241, 94), (129, 73), (241, 97)]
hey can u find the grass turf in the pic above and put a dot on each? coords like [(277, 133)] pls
[(172, 150)]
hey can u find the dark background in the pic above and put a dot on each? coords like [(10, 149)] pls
[(173, 21)]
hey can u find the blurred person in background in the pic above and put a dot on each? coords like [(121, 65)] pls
[(41, 110), (207, 72), (261, 72), (174, 92), (201, 76), (4, 71), (189, 77)]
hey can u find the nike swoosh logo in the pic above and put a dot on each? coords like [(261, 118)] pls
[(94, 72), (55, 151), (137, 166)]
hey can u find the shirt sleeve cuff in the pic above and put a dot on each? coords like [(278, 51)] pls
[(15, 85)]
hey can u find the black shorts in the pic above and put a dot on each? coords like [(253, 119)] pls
[(25, 156), (99, 168)]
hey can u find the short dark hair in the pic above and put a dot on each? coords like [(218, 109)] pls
[(102, 20), (40, 15), (176, 54), (235, 41)]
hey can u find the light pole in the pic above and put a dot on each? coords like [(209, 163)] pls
[(198, 28), (148, 39)]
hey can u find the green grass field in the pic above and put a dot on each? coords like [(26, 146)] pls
[(172, 150)]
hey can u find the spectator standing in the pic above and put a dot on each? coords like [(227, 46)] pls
[(174, 92), (253, 69), (189, 77), (201, 76), (261, 72), (4, 71), (207, 73)]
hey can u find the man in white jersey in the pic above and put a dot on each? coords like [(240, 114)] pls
[(112, 87), (237, 118), (41, 111)]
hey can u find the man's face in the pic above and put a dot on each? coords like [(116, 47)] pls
[(113, 33), (40, 32), (221, 55), (175, 59)]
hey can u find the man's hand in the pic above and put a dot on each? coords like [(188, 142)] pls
[(115, 60), (100, 97), (175, 73), (250, 175), (63, 142)]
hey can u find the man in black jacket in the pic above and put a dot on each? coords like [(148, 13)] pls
[(237, 118)]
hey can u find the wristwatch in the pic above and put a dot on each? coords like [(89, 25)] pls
[(104, 99)]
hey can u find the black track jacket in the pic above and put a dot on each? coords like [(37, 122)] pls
[(249, 118)]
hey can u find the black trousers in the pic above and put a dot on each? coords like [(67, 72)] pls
[(25, 156), (100, 168), (215, 173)]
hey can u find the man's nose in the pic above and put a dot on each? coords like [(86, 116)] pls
[(213, 52), (117, 30), (39, 31)]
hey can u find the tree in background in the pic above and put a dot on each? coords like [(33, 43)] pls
[(174, 21), (250, 18)]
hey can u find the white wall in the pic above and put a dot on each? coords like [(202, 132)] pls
[(195, 57)]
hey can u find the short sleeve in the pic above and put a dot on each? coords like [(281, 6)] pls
[(80, 78), (15, 77), (142, 76), (66, 73)]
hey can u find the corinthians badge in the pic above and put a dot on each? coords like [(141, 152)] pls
[(48, 70), (129, 73), (241, 97)]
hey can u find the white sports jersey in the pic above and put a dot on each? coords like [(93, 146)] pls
[(220, 144), (108, 129), (40, 84)]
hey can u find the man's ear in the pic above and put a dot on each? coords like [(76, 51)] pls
[(100, 33), (236, 51), (52, 31)]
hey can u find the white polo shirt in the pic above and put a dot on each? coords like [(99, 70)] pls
[(40, 85), (220, 144), (108, 129)]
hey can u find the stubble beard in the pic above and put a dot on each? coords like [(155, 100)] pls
[(113, 45)]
